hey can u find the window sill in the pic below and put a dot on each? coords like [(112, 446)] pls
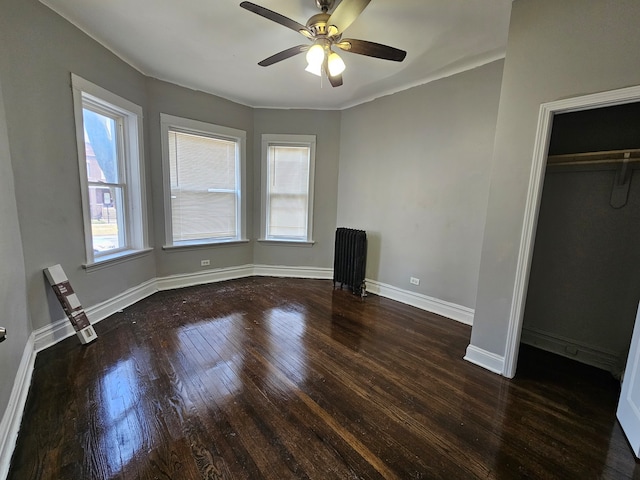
[(288, 243), (116, 258), (199, 245)]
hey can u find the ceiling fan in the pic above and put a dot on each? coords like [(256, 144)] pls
[(325, 31)]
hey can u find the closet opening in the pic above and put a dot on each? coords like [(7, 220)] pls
[(584, 281)]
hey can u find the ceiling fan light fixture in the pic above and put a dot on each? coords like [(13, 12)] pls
[(315, 69), (315, 56), (336, 64), (325, 32)]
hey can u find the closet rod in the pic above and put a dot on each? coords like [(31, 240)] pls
[(589, 158)]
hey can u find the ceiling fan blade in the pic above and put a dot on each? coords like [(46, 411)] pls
[(346, 13), (276, 17), (372, 49), (283, 55), (335, 81)]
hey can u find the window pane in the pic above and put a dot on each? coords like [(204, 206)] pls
[(101, 147), (107, 220), (288, 216), (288, 191), (289, 169), (203, 186), (200, 215)]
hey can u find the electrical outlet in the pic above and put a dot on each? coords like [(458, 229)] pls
[(414, 281), (204, 263)]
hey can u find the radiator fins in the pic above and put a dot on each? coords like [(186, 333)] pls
[(350, 259)]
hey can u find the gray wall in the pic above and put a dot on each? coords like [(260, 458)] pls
[(38, 52), (182, 102), (13, 291), (325, 125), (555, 50), (414, 173)]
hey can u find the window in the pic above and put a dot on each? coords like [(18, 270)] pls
[(203, 174), (109, 137), (288, 163)]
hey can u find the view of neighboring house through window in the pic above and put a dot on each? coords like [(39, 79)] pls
[(203, 166), (105, 180), (109, 130), (287, 177)]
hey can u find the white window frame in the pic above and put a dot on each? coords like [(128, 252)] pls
[(131, 160), (287, 140), (186, 125)]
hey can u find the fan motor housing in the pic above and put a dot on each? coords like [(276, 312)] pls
[(318, 24)]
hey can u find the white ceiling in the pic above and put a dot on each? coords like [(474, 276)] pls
[(215, 45)]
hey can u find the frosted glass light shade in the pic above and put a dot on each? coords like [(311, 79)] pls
[(336, 65), (315, 69), (315, 55)]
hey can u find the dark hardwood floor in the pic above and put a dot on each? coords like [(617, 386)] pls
[(283, 378)]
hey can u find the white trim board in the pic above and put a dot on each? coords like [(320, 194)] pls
[(12, 418), (534, 194), (219, 275), (53, 333), (488, 360), (423, 302), (293, 272), (200, 278)]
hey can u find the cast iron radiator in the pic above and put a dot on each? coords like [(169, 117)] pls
[(350, 259)]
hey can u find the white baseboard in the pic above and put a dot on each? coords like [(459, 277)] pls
[(485, 359), (293, 272), (423, 302), (218, 275), (566, 347), (200, 278), (125, 299), (12, 418), (51, 334)]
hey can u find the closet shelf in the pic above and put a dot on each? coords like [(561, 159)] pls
[(592, 158)]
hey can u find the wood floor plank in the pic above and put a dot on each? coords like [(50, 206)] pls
[(264, 407), (340, 395), (288, 378), (207, 444)]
